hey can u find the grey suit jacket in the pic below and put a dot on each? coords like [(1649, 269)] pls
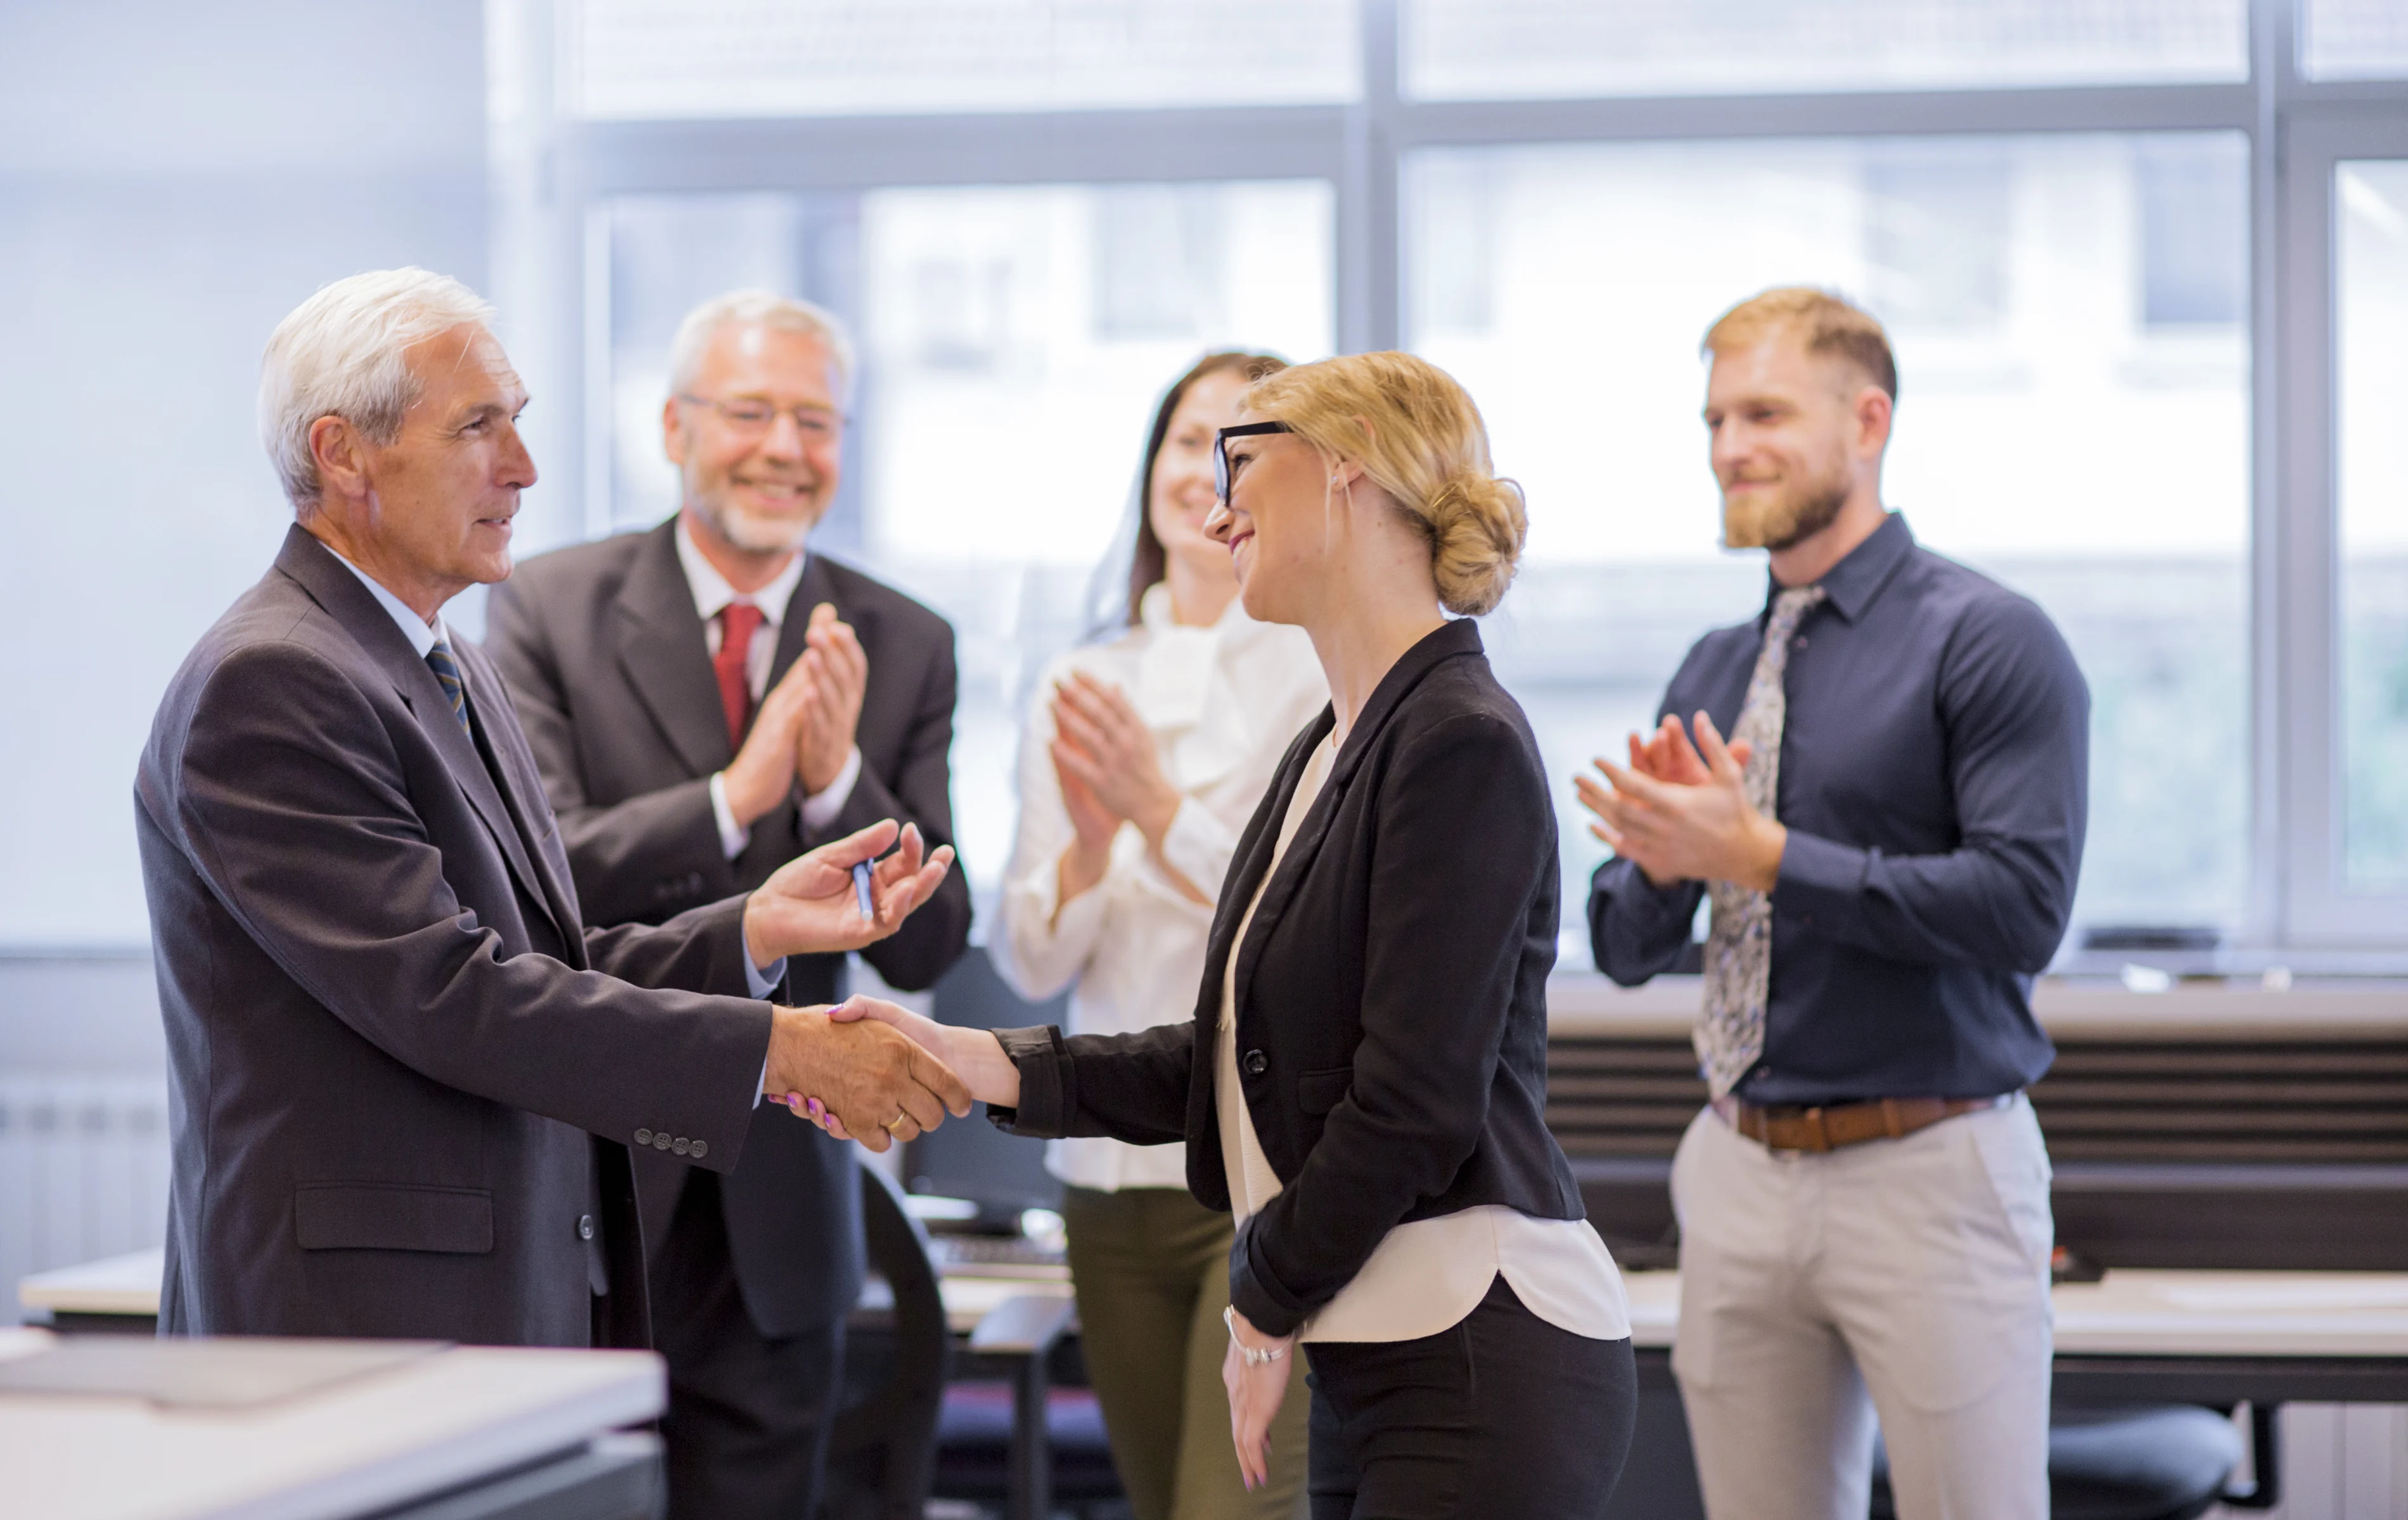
[(403, 1075), (608, 666)]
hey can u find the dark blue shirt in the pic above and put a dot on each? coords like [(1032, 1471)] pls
[(1933, 779)]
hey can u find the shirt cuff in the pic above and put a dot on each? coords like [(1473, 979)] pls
[(1198, 846), (821, 807), (733, 836), (764, 983)]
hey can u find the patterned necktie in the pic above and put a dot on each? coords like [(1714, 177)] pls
[(447, 675), (1739, 943), (733, 666)]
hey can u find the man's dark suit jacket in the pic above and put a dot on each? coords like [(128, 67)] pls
[(404, 1075), (1390, 995), (606, 658)]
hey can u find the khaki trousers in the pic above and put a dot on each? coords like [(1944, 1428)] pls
[(1151, 1268), (1907, 1278)]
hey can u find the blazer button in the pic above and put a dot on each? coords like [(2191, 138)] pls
[(681, 1145), (701, 1149), (585, 1227), (1257, 1063), (643, 1136), (660, 1141)]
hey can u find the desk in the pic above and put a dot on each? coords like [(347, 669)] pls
[(447, 1423)]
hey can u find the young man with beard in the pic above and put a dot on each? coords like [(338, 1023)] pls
[(707, 700), (1889, 840)]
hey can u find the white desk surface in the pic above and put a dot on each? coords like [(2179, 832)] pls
[(2131, 1313), (353, 1448)]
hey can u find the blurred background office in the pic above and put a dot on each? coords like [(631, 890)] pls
[(2145, 262)]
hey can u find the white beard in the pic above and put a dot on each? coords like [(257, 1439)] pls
[(752, 534)]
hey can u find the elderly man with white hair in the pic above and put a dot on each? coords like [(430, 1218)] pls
[(707, 700), (405, 1076)]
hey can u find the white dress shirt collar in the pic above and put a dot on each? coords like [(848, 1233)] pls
[(421, 635), (711, 591)]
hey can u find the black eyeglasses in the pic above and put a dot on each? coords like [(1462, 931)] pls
[(1222, 476)]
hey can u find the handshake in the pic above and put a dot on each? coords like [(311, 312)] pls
[(936, 1068), (872, 1071)]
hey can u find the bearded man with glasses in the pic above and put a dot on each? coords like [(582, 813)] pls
[(706, 700)]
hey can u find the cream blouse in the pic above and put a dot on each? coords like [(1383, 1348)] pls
[(1223, 704), (1425, 1276)]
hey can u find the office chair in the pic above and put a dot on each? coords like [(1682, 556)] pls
[(2125, 1462), (882, 1452)]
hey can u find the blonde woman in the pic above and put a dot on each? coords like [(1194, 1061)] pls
[(1143, 755), (1365, 1081)]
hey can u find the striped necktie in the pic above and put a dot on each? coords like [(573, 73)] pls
[(447, 675)]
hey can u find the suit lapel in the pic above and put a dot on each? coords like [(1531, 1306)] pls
[(336, 589), (1460, 636), (662, 648), (522, 791)]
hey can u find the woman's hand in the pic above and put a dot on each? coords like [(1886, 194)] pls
[(1255, 1392), (1093, 825), (975, 1056), (1102, 743)]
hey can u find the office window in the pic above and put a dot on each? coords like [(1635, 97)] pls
[(648, 60), (2370, 329), (2354, 39), (2049, 433), (1013, 341), (1472, 49), (2193, 204)]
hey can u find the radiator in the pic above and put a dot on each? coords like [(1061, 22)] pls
[(83, 1172)]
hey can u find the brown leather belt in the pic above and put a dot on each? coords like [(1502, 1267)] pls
[(1790, 1127)]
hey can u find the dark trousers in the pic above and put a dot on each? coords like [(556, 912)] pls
[(1501, 1414), (746, 1434)]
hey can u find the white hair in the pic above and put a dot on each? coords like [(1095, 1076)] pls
[(341, 354), (760, 309)]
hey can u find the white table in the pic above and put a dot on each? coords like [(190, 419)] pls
[(442, 1421)]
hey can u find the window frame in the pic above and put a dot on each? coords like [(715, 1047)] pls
[(553, 180)]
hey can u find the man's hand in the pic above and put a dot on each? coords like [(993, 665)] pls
[(878, 1084), (1682, 814), (838, 672), (976, 1054), (762, 775), (810, 907), (1256, 1391)]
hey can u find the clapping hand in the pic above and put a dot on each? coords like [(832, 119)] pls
[(1680, 812), (810, 907), (1111, 770), (836, 673)]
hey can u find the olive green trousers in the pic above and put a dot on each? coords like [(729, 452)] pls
[(1151, 1270)]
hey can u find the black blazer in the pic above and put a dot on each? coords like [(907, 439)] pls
[(1390, 995), (400, 1098), (607, 662)]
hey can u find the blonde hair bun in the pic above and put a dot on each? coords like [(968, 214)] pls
[(1418, 436)]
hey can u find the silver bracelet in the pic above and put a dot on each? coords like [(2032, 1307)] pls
[(1253, 1357)]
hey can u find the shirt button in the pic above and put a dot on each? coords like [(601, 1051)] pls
[(1257, 1063), (585, 1227), (643, 1136), (701, 1149)]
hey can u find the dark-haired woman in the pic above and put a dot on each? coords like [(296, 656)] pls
[(1144, 753)]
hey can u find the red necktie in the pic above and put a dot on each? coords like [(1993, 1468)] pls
[(734, 666)]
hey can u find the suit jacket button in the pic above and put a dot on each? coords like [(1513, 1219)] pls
[(643, 1136), (660, 1141), (701, 1149), (585, 1227), (681, 1145), (1257, 1063)]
